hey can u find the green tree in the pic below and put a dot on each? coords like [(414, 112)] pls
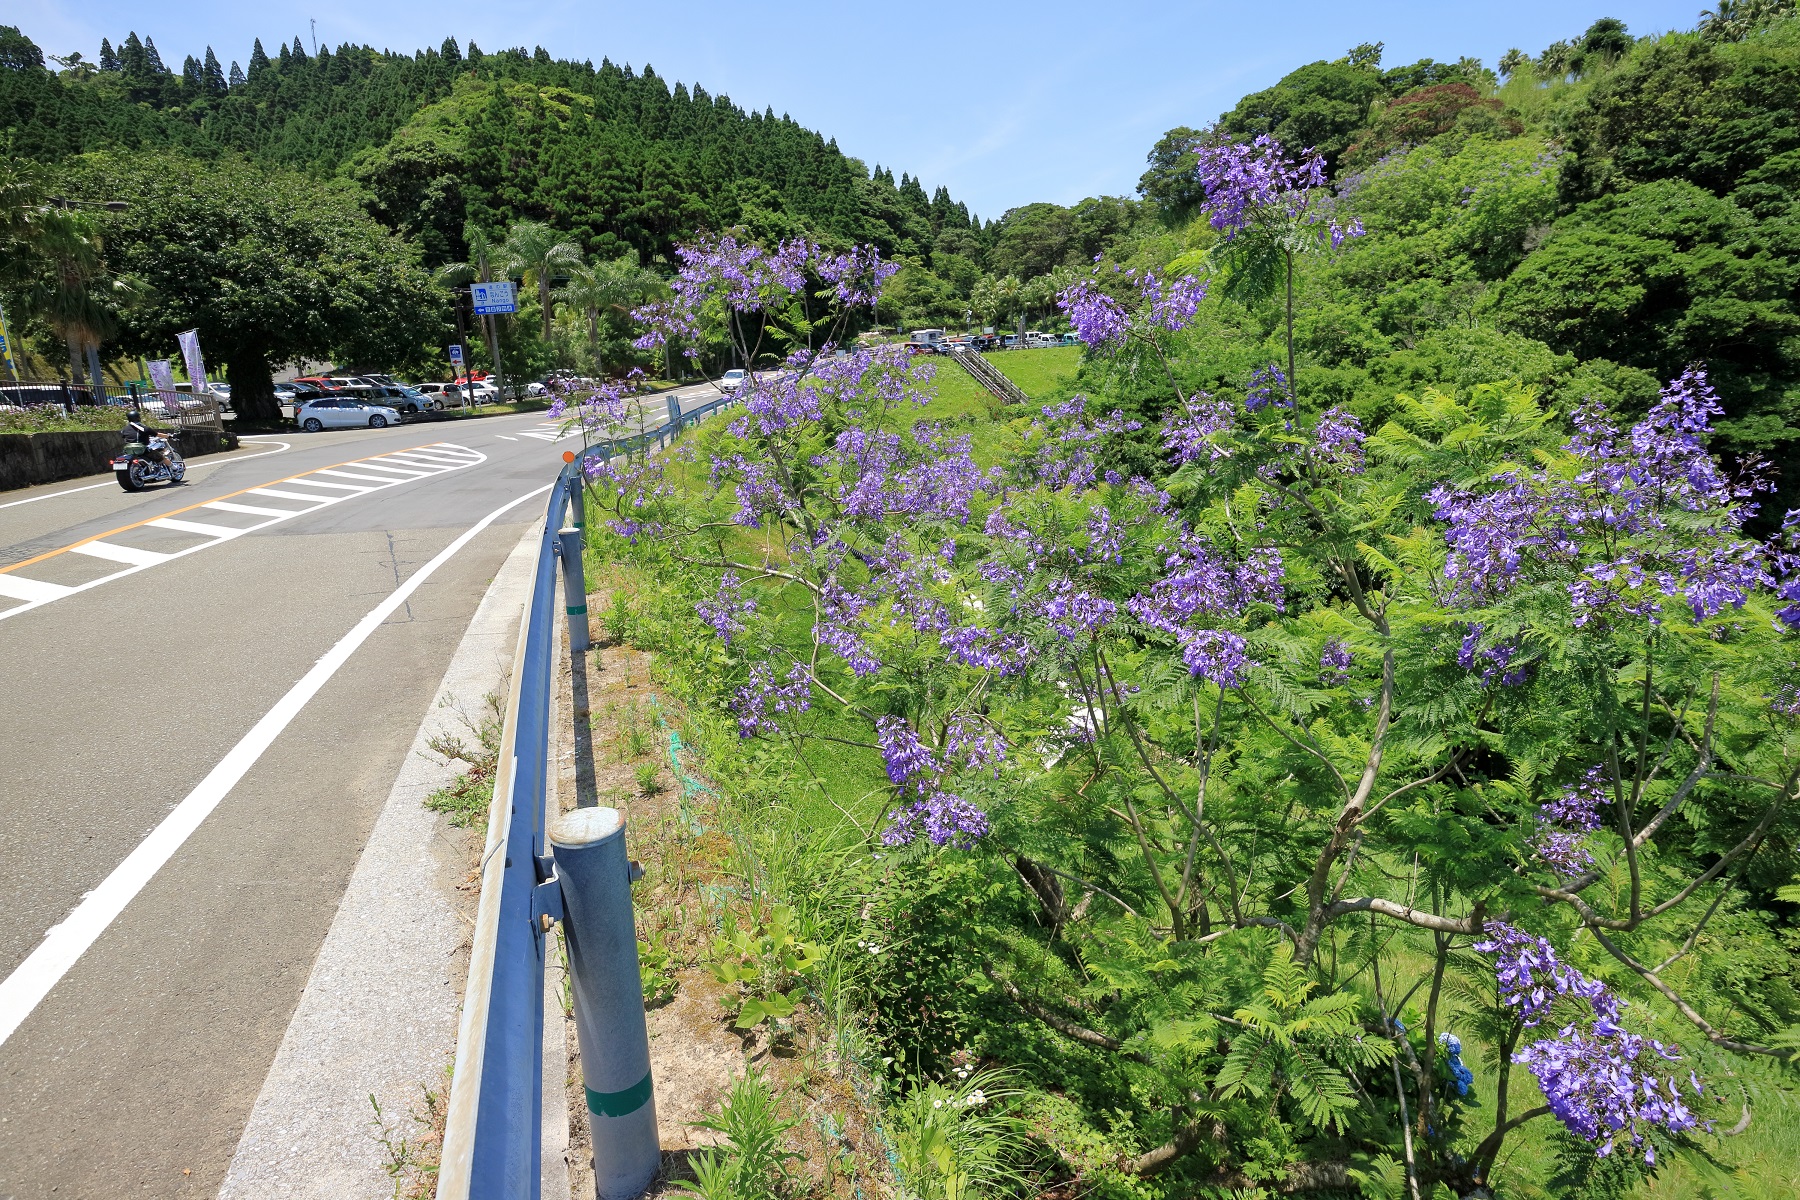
[(613, 287), (538, 255), (270, 266), (71, 290), (1320, 105)]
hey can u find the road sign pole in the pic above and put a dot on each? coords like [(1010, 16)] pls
[(595, 875)]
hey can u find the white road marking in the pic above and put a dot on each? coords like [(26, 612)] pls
[(32, 591), (501, 436), (411, 470), (424, 460), (281, 495), (131, 556), (67, 941), (200, 527), (88, 487), (384, 480), (342, 487), (252, 509), (41, 593)]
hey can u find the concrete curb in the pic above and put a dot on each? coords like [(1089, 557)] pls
[(380, 1011)]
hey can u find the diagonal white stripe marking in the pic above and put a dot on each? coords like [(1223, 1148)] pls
[(131, 556), (309, 481), (20, 588), (63, 946), (381, 479), (402, 472), (420, 458), (253, 510), (195, 527), (281, 495)]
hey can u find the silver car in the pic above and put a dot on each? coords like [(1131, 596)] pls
[(335, 412)]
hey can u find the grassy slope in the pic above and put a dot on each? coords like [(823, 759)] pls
[(833, 792)]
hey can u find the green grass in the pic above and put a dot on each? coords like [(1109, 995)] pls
[(1047, 374)]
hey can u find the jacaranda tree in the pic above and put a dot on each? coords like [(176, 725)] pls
[(1324, 759)]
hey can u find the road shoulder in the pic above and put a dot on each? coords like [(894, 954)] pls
[(379, 1014)]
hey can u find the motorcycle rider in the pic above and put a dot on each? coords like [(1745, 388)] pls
[(136, 431)]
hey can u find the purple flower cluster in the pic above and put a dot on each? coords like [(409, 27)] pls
[(1334, 663), (1496, 660), (856, 275), (917, 772), (729, 604), (1532, 978), (1098, 319), (1101, 320), (1654, 497), (1338, 442), (761, 699), (1076, 614), (1195, 432), (1565, 822), (1606, 1086), (1242, 180), (1596, 1076), (945, 819), (1267, 385)]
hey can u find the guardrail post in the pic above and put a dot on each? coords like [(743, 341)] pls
[(674, 412), (589, 845), (568, 541)]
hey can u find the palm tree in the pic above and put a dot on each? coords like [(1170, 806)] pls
[(73, 296), (615, 286), (536, 254)]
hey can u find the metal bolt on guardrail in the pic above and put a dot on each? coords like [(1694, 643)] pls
[(589, 844)]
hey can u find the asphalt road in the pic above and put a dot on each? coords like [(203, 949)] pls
[(134, 656)]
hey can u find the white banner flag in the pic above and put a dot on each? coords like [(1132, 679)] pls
[(162, 377), (190, 353)]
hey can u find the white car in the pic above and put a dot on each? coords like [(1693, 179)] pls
[(334, 412), (732, 380)]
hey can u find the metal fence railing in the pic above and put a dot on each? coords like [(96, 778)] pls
[(494, 1130), (38, 393)]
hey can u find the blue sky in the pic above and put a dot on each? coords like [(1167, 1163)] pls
[(1002, 103)]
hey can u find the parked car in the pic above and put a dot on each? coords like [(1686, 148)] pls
[(441, 395), (335, 412)]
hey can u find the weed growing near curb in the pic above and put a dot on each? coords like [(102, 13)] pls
[(466, 798)]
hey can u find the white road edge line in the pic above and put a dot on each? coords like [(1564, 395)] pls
[(88, 487), (66, 942)]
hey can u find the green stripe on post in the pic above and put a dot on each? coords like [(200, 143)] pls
[(619, 1104), (578, 610)]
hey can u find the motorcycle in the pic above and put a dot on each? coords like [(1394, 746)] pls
[(135, 469)]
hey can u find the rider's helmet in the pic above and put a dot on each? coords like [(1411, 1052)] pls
[(135, 415)]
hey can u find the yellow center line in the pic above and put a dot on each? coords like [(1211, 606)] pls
[(201, 504)]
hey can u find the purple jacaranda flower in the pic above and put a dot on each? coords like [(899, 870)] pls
[(723, 611), (904, 755), (1098, 319), (761, 699), (1243, 180), (944, 818), (1338, 442), (1217, 655), (1334, 663), (1267, 385), (1193, 435)]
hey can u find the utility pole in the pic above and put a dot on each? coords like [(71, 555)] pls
[(313, 21), (493, 334)]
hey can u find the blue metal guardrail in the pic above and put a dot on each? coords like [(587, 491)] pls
[(494, 1130)]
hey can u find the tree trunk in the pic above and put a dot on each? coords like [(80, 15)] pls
[(96, 381), (544, 302), (252, 389), (73, 341)]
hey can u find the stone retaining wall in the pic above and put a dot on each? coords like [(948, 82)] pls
[(28, 458)]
